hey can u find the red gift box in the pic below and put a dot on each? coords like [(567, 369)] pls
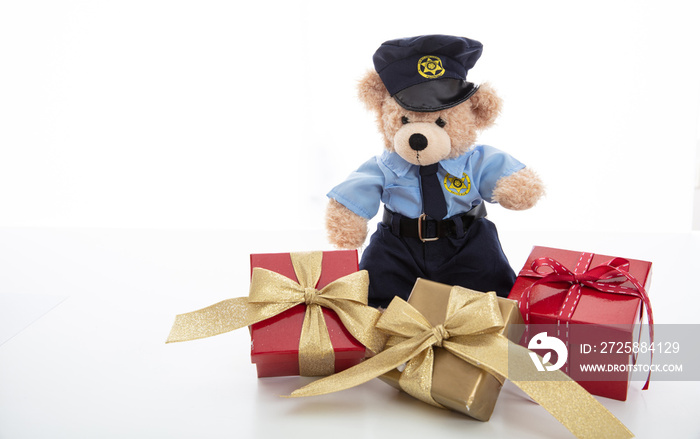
[(591, 302), (275, 341)]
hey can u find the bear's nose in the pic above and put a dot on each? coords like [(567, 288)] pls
[(418, 142)]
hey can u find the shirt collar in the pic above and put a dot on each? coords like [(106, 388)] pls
[(400, 167), (395, 163)]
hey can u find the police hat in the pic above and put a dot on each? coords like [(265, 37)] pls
[(429, 72)]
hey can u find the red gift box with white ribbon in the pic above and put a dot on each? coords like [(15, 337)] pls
[(594, 303)]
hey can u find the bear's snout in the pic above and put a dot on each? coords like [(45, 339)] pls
[(422, 143), (418, 142)]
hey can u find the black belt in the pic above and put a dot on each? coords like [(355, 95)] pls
[(428, 229)]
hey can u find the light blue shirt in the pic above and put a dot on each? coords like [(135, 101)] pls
[(465, 181)]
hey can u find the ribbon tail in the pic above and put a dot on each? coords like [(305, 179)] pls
[(368, 369), (643, 296), (569, 403), (650, 317), (562, 397), (221, 317)]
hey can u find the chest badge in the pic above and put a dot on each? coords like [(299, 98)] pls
[(457, 186)]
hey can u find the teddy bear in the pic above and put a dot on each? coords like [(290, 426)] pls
[(432, 177)]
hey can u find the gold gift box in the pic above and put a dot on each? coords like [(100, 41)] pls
[(458, 385)]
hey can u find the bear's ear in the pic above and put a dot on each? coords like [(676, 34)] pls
[(371, 91), (486, 106)]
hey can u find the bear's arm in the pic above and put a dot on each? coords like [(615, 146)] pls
[(519, 191), (361, 192), (345, 229), (352, 204), (503, 179)]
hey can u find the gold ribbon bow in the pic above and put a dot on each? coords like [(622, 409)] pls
[(470, 332), (272, 293)]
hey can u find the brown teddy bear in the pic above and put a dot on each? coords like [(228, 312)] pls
[(432, 178)]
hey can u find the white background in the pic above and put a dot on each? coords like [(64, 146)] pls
[(176, 114)]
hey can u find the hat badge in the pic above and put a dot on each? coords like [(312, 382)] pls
[(430, 66)]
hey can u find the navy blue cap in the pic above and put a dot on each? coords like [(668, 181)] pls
[(428, 72)]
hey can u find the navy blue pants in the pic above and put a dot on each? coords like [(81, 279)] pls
[(475, 260)]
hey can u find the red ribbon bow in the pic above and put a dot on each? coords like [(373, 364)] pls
[(607, 277)]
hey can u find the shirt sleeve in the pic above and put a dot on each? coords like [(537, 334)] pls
[(492, 165), (361, 192)]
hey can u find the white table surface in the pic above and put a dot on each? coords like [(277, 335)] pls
[(86, 312)]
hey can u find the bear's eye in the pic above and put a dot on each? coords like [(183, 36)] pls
[(404, 120), (441, 123)]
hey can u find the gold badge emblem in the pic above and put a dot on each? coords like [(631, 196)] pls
[(457, 186), (430, 67)]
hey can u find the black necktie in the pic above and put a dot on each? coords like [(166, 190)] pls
[(433, 200)]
